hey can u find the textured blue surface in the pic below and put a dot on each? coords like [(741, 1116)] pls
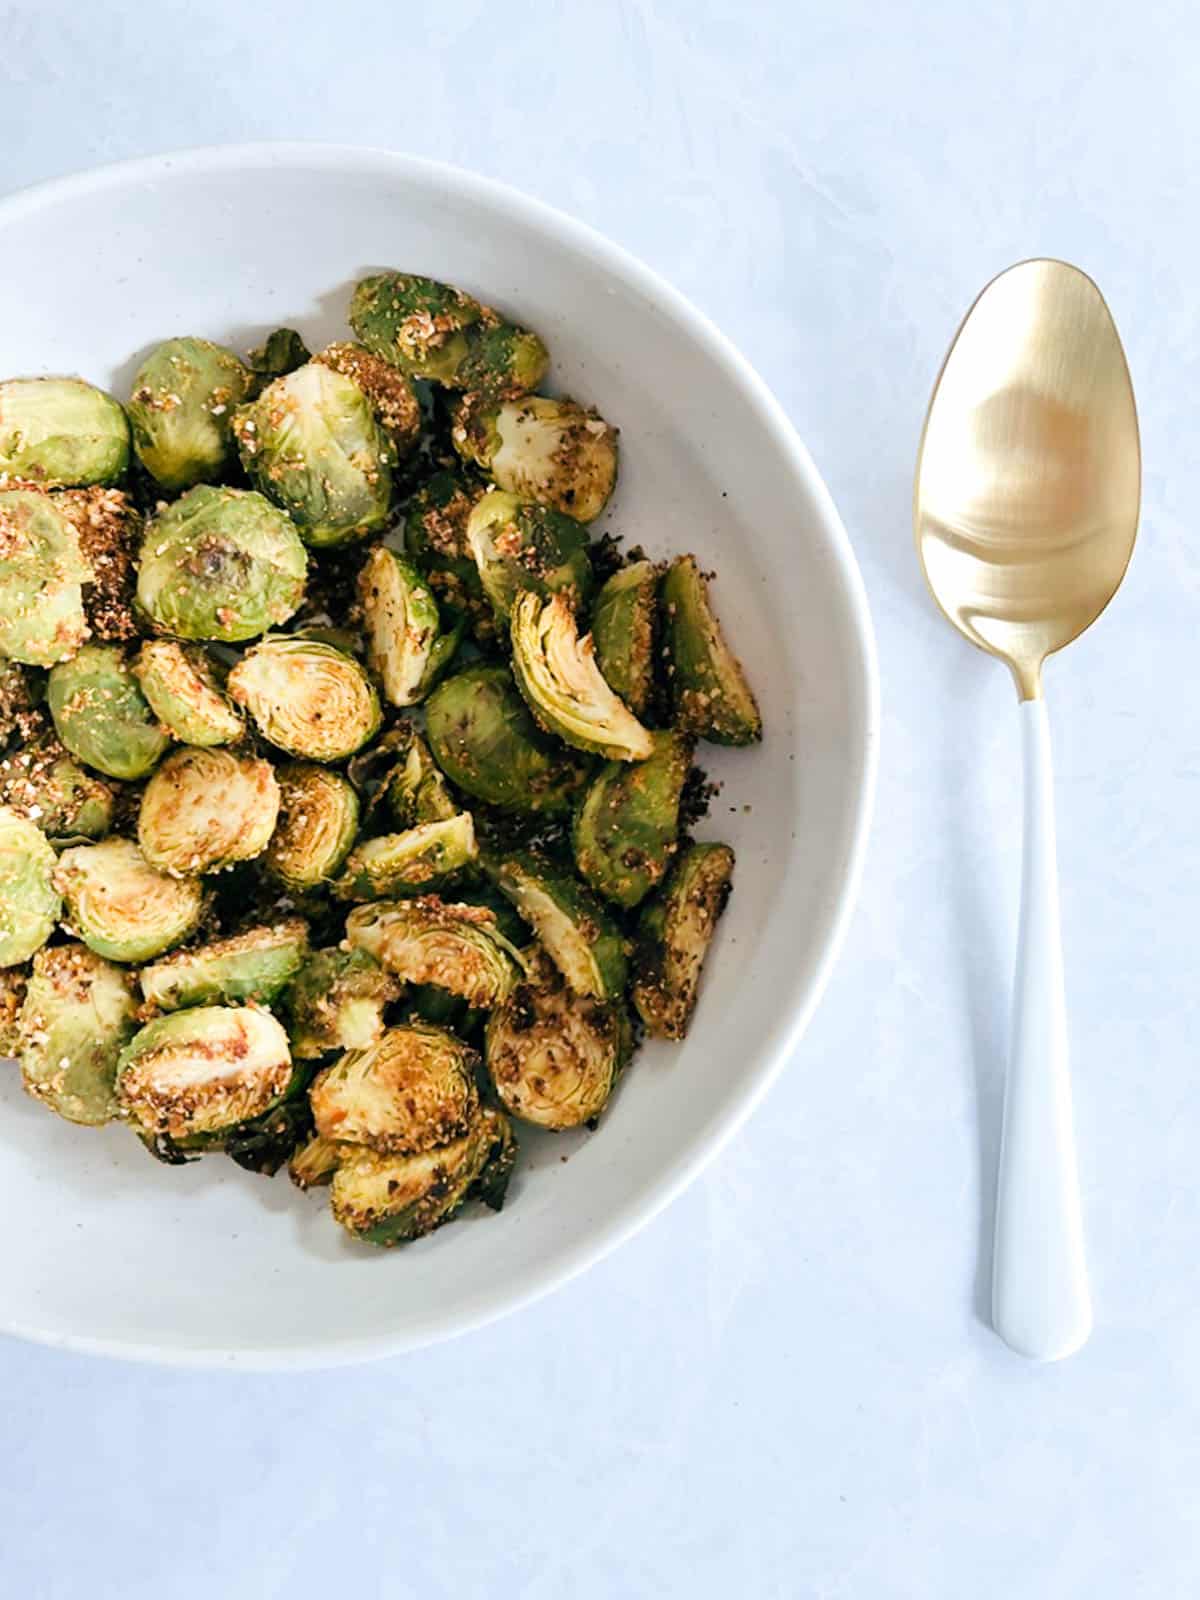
[(782, 1388)]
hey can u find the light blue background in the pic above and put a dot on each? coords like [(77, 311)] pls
[(782, 1388)]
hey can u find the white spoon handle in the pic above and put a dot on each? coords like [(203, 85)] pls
[(1040, 1301)]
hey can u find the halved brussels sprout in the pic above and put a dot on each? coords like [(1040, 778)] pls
[(180, 684), (554, 1055), (78, 1014), (29, 901), (181, 411), (412, 1090), (120, 906), (415, 790), (623, 632), (283, 350), (387, 388), (712, 696), (673, 938), (517, 545), (42, 573), (556, 671), (196, 1073), (625, 832), (42, 783), (220, 564), (575, 930), (553, 451), (417, 323), (311, 443), (388, 1200), (421, 860), (255, 965), (109, 527), (337, 1002), (101, 714), (61, 431), (435, 536), (204, 810), (13, 983), (456, 947), (318, 820), (406, 646), (486, 742), (307, 698), (316, 1161)]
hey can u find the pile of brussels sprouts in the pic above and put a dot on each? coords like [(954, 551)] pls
[(345, 778)]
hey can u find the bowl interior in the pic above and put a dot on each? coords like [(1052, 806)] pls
[(103, 1248)]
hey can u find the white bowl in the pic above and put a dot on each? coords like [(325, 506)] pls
[(102, 1249)]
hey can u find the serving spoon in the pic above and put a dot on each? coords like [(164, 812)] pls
[(1026, 509)]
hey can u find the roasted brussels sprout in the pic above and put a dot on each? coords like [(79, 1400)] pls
[(551, 451), (30, 904), (101, 715), (486, 742), (283, 350), (13, 983), (388, 1200), (435, 537), (181, 411), (554, 1055), (307, 698), (108, 527), (575, 930), (180, 684), (625, 830), (457, 947), (42, 573), (220, 564), (20, 700), (518, 545), (61, 431), (204, 810), (388, 389), (431, 330), (623, 633), (415, 790), (407, 648), (412, 1090), (311, 443), (318, 820), (337, 1002), (79, 1012), (42, 783), (120, 906), (420, 861), (556, 671), (673, 938), (416, 323), (194, 1074), (316, 1161), (502, 361), (255, 965), (712, 696)]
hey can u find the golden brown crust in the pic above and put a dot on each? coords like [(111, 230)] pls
[(385, 386), (108, 527)]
